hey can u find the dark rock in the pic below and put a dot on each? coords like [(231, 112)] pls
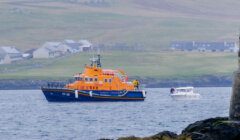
[(220, 128), (197, 126), (197, 136), (130, 138), (213, 129), (163, 134)]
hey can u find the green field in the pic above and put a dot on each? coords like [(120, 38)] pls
[(153, 24), (151, 64)]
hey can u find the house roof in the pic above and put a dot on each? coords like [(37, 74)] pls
[(75, 46), (72, 44), (30, 51), (185, 45), (69, 41), (9, 50), (85, 43), (51, 46)]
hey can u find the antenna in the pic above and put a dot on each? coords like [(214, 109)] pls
[(99, 57), (99, 61), (93, 59), (96, 61), (93, 54)]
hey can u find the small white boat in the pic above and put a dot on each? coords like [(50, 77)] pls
[(183, 92)]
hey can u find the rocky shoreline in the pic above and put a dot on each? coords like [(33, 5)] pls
[(220, 128), (203, 81)]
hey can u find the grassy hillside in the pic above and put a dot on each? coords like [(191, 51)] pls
[(150, 23), (153, 24), (150, 64)]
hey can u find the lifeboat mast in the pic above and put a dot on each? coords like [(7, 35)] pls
[(96, 62)]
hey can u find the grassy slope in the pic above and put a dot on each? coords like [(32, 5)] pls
[(151, 23), (154, 24), (151, 64)]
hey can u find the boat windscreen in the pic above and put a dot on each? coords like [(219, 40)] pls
[(119, 75), (78, 78), (184, 90)]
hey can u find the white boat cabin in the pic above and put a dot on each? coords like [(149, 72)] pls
[(183, 91)]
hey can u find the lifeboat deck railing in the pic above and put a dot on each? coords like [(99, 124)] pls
[(55, 85)]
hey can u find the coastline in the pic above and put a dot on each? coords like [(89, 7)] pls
[(201, 81)]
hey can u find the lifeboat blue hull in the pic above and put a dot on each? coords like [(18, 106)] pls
[(68, 95)]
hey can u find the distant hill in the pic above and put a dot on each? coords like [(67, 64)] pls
[(150, 23), (220, 9)]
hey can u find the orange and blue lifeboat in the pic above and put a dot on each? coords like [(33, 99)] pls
[(96, 84)]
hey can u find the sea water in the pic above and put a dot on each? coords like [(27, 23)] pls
[(26, 114)]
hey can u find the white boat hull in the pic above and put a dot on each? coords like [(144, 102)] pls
[(187, 95)]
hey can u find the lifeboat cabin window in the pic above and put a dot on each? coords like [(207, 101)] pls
[(78, 78), (90, 79), (105, 80), (95, 79), (110, 80), (86, 79)]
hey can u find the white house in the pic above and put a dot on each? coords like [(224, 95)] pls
[(48, 50), (71, 46), (5, 59), (9, 54), (85, 45), (55, 49)]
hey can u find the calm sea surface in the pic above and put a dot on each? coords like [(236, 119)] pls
[(25, 114)]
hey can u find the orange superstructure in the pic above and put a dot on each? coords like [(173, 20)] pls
[(96, 78)]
